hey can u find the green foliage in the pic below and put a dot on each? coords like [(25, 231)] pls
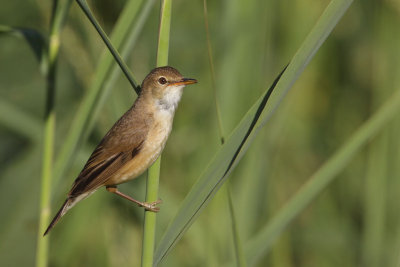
[(344, 215)]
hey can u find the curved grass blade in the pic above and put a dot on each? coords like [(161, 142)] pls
[(231, 152), (35, 40)]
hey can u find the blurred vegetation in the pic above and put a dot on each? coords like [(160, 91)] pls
[(355, 222)]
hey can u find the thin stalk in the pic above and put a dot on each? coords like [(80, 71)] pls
[(378, 167), (238, 245), (239, 252), (212, 71), (60, 12), (153, 175), (163, 33), (149, 224), (86, 9), (47, 164)]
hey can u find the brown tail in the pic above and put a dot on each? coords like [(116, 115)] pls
[(65, 207)]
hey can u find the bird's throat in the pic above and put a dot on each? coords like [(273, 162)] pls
[(169, 102)]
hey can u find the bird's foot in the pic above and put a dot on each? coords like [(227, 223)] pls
[(151, 206)]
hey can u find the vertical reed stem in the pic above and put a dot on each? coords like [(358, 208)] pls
[(49, 61), (153, 176)]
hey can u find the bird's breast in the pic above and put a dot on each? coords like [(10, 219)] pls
[(150, 151), (157, 137)]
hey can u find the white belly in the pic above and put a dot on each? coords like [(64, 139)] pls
[(150, 151)]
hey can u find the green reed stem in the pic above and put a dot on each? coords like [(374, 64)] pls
[(153, 175), (238, 245), (49, 68)]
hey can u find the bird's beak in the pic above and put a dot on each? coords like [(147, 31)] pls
[(184, 81)]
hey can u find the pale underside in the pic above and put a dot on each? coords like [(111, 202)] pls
[(150, 151)]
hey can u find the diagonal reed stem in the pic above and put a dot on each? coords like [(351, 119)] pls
[(86, 9)]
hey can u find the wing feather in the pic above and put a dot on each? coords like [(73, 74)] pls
[(120, 145)]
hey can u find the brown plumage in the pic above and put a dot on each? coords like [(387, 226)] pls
[(133, 143)]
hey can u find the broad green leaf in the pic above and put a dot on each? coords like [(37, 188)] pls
[(236, 145)]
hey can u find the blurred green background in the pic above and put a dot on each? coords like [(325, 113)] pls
[(355, 222)]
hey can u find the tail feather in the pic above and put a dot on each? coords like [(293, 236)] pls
[(69, 203), (64, 208)]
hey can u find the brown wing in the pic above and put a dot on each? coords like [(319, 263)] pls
[(120, 145)]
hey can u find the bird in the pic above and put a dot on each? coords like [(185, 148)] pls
[(133, 143)]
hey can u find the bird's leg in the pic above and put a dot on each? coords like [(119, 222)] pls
[(148, 206)]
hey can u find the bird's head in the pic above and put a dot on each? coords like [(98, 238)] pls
[(165, 85)]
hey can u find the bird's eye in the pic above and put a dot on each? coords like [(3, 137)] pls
[(162, 80)]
